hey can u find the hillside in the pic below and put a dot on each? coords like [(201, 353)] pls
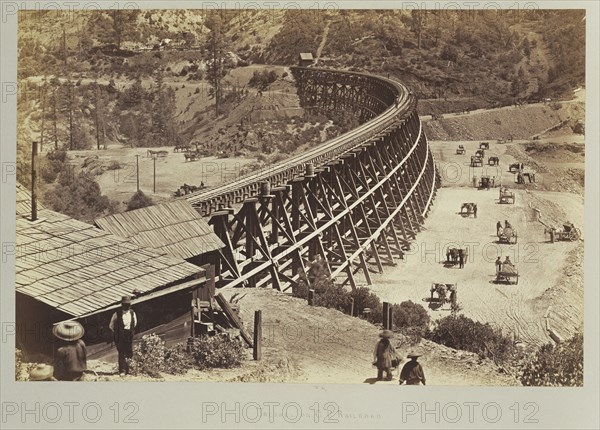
[(318, 345), (523, 122)]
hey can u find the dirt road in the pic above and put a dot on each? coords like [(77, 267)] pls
[(540, 264)]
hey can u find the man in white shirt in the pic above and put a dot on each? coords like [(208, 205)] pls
[(122, 324)]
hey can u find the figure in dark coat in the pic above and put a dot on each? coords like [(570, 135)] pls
[(384, 354), (70, 359), (412, 372), (122, 324)]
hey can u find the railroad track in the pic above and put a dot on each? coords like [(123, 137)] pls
[(281, 172)]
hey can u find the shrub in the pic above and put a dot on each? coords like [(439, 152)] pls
[(148, 357), (218, 351), (449, 53), (77, 196), (555, 365), (113, 165), (19, 365), (460, 332), (177, 360), (365, 298), (139, 200), (411, 319), (334, 297)]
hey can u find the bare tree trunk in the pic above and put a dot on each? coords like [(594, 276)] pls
[(43, 90), (97, 102)]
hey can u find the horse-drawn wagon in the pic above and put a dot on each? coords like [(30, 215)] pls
[(476, 161), (484, 145), (485, 183), (154, 154), (191, 155), (507, 196), (567, 232), (508, 274), (493, 161), (518, 167), (507, 235), (446, 293), (182, 148), (453, 256), (468, 209)]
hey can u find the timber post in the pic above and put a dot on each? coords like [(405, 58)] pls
[(257, 347)]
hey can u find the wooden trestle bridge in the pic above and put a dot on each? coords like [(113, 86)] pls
[(355, 202)]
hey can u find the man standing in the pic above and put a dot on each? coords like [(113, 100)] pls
[(412, 372), (384, 355), (498, 228), (461, 258), (498, 265), (475, 210), (122, 324), (70, 360)]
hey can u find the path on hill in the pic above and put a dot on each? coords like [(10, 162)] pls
[(323, 41)]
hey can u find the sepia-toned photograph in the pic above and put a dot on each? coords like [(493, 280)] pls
[(293, 196)]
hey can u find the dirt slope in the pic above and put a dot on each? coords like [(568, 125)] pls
[(522, 122), (327, 346)]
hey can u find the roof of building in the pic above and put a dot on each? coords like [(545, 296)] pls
[(80, 269), (175, 228), (306, 56), (24, 201)]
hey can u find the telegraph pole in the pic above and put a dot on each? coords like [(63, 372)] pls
[(154, 159), (137, 171), (34, 151)]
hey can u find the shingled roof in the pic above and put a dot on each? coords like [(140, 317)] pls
[(175, 228), (80, 269), (306, 56)]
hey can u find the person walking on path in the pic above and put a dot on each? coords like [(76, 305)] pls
[(70, 360), (384, 354), (123, 324), (412, 372)]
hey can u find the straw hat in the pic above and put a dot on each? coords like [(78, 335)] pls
[(413, 354), (41, 372), (68, 330), (386, 334)]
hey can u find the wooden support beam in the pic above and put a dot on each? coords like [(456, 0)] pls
[(257, 347), (233, 318)]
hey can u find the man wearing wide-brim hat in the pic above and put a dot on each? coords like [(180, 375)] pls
[(122, 324), (384, 355), (41, 372), (70, 360), (412, 372)]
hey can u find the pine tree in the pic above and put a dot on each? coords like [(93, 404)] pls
[(98, 114), (160, 109), (418, 22), (216, 49)]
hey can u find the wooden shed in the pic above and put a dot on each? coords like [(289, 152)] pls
[(173, 228), (67, 269), (305, 59)]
